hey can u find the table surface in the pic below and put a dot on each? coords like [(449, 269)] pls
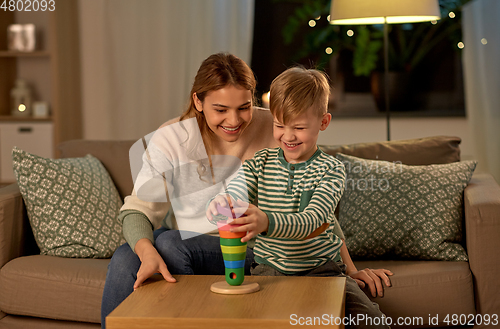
[(189, 303)]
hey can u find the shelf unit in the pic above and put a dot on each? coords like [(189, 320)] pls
[(52, 71)]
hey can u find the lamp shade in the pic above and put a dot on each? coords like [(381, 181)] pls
[(366, 12)]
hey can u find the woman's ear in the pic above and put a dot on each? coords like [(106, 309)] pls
[(325, 121), (197, 103)]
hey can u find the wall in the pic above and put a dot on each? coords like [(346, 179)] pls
[(354, 130)]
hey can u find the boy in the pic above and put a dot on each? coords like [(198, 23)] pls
[(299, 187)]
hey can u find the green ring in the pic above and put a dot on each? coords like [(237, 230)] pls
[(234, 256), (231, 242)]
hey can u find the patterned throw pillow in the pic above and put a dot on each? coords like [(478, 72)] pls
[(394, 211), (72, 205)]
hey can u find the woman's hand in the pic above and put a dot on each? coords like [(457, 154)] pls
[(151, 263), (254, 222), (372, 278)]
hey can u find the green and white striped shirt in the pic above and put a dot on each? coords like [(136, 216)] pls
[(298, 199)]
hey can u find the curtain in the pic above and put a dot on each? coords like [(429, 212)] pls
[(482, 80), (139, 58)]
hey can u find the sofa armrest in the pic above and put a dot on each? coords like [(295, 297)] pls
[(13, 224), (482, 225)]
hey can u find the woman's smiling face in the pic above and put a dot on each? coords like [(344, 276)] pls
[(228, 111)]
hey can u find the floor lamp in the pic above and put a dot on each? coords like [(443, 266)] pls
[(368, 12)]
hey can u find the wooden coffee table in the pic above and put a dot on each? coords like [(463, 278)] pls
[(189, 303)]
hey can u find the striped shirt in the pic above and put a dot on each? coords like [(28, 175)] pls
[(298, 199)]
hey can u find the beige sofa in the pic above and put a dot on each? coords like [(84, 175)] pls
[(49, 292)]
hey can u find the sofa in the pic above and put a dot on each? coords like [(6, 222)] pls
[(39, 291)]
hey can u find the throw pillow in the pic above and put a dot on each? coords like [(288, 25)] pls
[(72, 205), (391, 210)]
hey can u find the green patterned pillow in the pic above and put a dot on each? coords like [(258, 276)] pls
[(394, 211), (72, 205)]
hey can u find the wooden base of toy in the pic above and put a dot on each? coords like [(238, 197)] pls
[(222, 287)]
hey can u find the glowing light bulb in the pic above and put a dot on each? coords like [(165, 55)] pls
[(312, 23), (265, 99), (318, 18), (22, 108), (484, 41), (328, 18), (350, 33), (461, 45), (329, 50), (451, 14), (434, 22)]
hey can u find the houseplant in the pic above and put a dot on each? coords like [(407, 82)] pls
[(409, 44)]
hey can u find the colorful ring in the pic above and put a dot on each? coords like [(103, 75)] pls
[(231, 242), (231, 235), (240, 256), (233, 249), (234, 263)]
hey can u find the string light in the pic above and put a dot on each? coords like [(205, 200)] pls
[(350, 33), (484, 41), (434, 22), (329, 50), (461, 45), (312, 23), (451, 14), (328, 18), (318, 18)]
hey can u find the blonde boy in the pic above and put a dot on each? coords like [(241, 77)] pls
[(298, 185), (298, 188)]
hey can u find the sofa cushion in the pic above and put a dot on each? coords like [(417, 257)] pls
[(420, 151), (395, 211), (112, 154), (423, 288), (53, 287), (72, 205)]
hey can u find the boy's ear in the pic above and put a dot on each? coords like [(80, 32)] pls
[(325, 121), (197, 103)]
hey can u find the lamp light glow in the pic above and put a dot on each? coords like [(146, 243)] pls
[(368, 12), (22, 108)]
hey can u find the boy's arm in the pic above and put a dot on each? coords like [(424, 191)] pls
[(242, 187), (309, 222), (371, 277)]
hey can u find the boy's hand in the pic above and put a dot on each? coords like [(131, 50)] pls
[(212, 207), (372, 278), (254, 222)]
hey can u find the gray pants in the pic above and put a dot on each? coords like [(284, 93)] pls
[(356, 301)]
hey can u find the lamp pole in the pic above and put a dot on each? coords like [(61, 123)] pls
[(386, 78)]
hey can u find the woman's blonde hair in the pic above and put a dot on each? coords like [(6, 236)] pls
[(297, 90), (216, 72)]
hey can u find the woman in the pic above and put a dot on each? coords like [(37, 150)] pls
[(193, 155)]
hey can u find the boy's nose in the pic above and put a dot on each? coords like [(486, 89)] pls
[(288, 135)]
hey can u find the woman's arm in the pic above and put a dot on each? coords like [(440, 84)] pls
[(151, 263)]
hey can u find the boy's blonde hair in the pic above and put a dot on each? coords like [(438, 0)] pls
[(297, 90)]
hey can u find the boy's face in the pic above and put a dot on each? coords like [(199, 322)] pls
[(298, 137)]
